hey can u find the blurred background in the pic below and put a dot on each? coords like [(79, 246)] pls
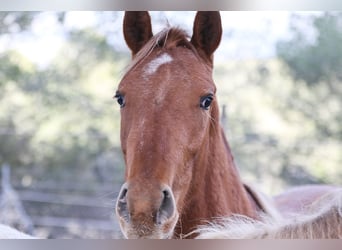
[(279, 80)]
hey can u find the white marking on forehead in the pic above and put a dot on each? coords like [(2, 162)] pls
[(153, 66)]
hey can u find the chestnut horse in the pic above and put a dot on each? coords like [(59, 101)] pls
[(180, 172)]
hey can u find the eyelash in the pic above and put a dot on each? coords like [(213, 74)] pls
[(120, 99)]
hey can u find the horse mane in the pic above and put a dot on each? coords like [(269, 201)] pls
[(322, 219), (168, 38)]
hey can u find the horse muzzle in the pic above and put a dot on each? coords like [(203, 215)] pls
[(146, 211)]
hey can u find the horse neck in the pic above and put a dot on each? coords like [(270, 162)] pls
[(216, 189)]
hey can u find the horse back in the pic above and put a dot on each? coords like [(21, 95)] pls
[(262, 203), (297, 199)]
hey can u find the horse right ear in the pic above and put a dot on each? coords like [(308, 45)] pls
[(137, 29)]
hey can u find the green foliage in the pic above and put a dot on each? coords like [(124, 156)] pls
[(318, 64), (274, 141), (318, 60), (61, 119), (13, 21), (315, 67)]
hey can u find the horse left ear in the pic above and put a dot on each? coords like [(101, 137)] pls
[(137, 29), (207, 32)]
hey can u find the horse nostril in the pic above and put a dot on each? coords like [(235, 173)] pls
[(167, 207), (122, 195), (121, 205)]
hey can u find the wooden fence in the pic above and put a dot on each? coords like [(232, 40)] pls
[(61, 210)]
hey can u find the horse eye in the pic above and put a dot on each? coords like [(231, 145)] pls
[(120, 99), (206, 102)]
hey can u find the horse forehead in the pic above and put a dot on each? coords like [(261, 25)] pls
[(155, 63), (156, 83), (168, 73)]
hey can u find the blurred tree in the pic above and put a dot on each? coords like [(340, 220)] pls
[(60, 116), (319, 58), (12, 22), (315, 62), (15, 142)]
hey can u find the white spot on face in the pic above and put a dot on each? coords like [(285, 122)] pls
[(142, 128), (153, 66)]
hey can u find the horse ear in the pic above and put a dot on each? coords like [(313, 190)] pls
[(137, 29), (207, 32)]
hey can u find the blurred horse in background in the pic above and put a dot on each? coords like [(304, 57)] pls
[(320, 220)]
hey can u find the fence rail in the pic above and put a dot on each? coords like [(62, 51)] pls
[(48, 221), (63, 199)]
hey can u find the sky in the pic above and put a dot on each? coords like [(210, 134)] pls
[(246, 34)]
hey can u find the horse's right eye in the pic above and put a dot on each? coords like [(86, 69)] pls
[(120, 99)]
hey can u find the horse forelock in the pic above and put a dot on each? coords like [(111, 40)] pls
[(168, 38)]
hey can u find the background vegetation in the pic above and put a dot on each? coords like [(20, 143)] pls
[(282, 114)]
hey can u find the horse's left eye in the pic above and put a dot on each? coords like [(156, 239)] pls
[(206, 101), (120, 99)]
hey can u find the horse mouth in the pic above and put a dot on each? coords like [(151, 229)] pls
[(141, 230)]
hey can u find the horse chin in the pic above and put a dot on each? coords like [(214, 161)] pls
[(140, 231)]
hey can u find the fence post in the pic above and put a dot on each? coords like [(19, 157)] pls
[(10, 203)]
